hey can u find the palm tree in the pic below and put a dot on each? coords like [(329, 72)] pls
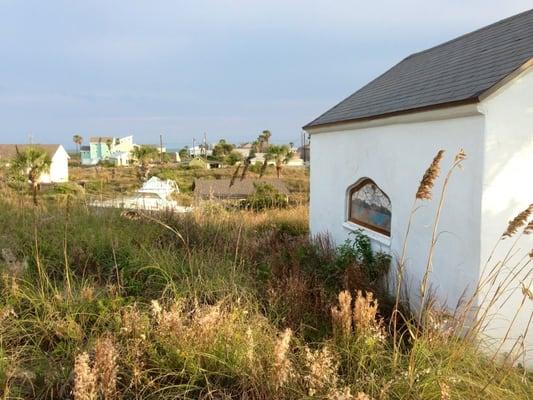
[(281, 155), (78, 140), (267, 158), (32, 163), (234, 176), (142, 155), (266, 135), (246, 166)]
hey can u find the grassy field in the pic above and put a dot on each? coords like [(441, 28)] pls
[(108, 181), (216, 304)]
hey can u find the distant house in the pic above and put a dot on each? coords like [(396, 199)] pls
[(295, 160), (260, 158), (163, 188), (59, 167), (106, 148), (154, 195), (220, 188), (244, 149), (370, 151), (120, 158), (200, 150)]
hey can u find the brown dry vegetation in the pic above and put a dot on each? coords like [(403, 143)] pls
[(217, 304)]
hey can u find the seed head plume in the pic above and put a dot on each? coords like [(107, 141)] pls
[(234, 176), (529, 228), (84, 379), (342, 315), (519, 221), (460, 156), (282, 363), (322, 365), (105, 365), (428, 180)]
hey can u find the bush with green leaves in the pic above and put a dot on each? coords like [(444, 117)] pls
[(358, 250), (265, 197), (233, 157)]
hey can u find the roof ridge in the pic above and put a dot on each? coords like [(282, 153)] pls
[(470, 33)]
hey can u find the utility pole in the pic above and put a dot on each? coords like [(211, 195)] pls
[(304, 145), (161, 149), (194, 147)]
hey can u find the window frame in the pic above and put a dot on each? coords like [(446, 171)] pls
[(363, 182)]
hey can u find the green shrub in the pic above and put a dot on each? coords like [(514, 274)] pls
[(265, 197), (359, 251), (197, 163)]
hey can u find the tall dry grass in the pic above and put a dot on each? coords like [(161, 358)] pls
[(225, 304)]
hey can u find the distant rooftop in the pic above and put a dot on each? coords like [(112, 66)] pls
[(8, 151), (220, 188), (455, 72), (100, 139)]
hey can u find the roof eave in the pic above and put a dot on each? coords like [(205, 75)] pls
[(507, 79), (471, 100)]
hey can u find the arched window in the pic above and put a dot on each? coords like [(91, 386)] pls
[(369, 207)]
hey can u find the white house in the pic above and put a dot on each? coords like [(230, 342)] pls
[(260, 158), (244, 149), (154, 195), (369, 152), (163, 188), (57, 153)]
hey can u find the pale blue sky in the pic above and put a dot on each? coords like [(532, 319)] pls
[(230, 68)]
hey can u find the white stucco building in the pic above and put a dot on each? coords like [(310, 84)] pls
[(57, 153), (370, 151)]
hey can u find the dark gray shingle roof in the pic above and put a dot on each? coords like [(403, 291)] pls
[(220, 188), (454, 72)]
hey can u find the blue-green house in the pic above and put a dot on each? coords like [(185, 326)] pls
[(99, 149), (114, 150)]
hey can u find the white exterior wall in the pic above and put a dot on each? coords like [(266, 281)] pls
[(507, 190), (58, 169), (395, 156)]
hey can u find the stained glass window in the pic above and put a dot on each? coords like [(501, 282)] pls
[(370, 207)]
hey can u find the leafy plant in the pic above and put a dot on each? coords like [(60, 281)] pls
[(264, 197), (359, 250), (32, 163), (142, 156)]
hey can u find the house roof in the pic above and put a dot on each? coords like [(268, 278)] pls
[(8, 151), (219, 188), (456, 72), (98, 139)]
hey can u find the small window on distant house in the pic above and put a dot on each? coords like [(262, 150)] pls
[(369, 207)]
